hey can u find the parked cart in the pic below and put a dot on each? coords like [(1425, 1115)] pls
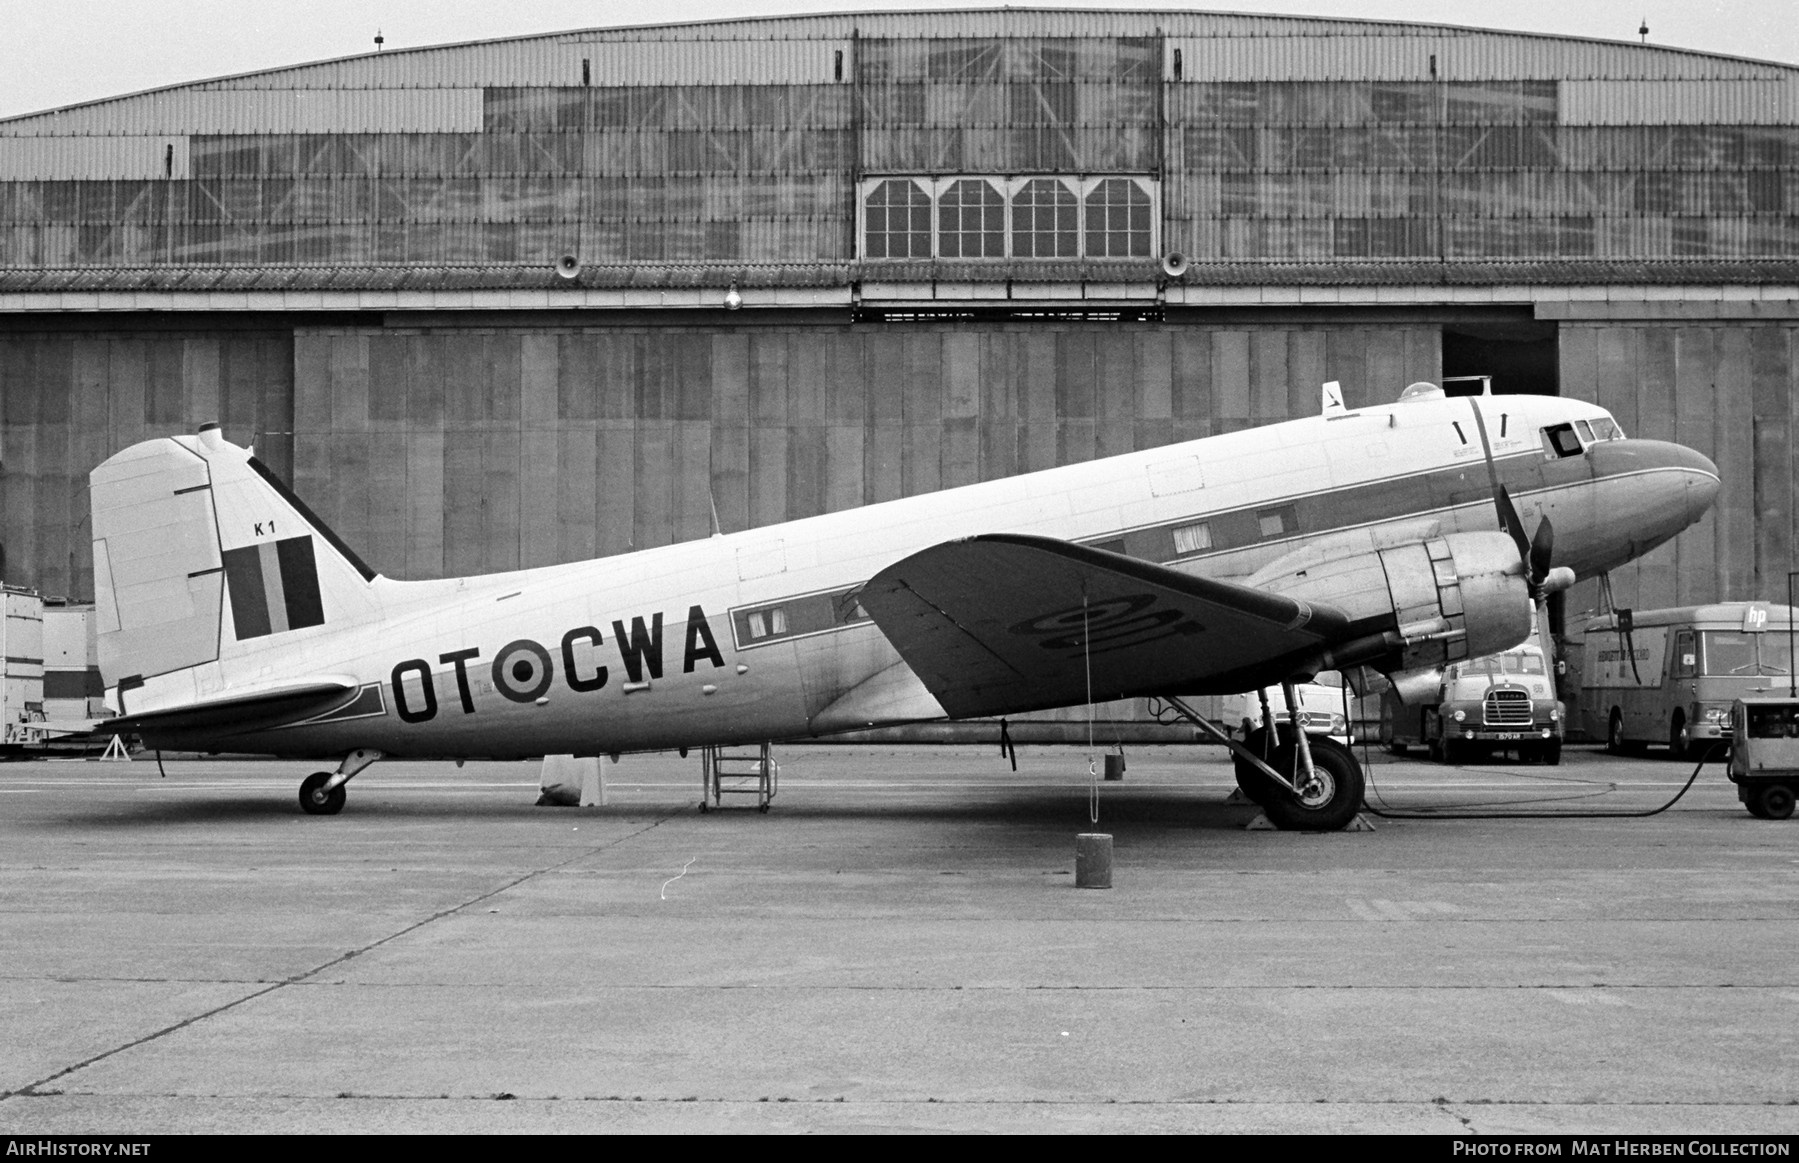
[(1764, 755)]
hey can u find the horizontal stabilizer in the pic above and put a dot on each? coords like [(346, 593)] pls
[(256, 711), (1004, 623)]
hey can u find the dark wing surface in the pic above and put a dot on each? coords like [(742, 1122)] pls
[(1005, 623)]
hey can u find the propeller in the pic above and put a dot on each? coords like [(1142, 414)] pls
[(1536, 552)]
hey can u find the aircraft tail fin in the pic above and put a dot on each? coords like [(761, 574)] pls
[(200, 552)]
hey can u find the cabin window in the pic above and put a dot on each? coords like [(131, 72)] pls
[(1116, 545), (1194, 538), (1277, 522), (767, 623), (847, 608), (1561, 440)]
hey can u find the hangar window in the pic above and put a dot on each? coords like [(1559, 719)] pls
[(898, 217), (989, 217), (971, 220), (1046, 221), (1118, 220)]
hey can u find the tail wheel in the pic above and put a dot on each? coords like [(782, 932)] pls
[(316, 801), (1775, 801)]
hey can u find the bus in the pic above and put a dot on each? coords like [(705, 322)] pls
[(1669, 676)]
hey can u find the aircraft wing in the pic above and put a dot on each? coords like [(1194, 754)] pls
[(244, 712), (1005, 623)]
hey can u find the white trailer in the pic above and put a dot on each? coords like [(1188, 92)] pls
[(22, 647)]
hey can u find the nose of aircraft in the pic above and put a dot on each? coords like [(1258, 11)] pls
[(1675, 482), (1703, 484)]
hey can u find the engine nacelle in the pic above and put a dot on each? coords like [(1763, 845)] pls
[(1422, 603)]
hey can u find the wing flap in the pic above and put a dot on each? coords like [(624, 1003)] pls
[(1006, 623)]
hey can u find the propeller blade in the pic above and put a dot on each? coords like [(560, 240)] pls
[(1542, 547), (1512, 523)]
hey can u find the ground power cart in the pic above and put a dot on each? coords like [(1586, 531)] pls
[(1764, 755)]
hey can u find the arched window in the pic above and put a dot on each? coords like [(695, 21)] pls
[(1045, 220), (1118, 220), (898, 213), (971, 220)]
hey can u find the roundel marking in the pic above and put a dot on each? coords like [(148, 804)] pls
[(522, 671)]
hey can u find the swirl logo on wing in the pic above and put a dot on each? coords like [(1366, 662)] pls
[(1109, 624)]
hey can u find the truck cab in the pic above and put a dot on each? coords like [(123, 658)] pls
[(1503, 702)]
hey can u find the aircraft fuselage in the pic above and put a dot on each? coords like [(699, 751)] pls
[(758, 635)]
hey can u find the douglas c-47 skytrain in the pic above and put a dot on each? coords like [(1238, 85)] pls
[(1398, 537)]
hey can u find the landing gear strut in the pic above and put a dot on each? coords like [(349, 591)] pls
[(1302, 783), (322, 792)]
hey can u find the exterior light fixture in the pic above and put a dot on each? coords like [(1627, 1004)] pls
[(733, 299)]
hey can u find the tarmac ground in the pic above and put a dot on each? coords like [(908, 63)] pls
[(897, 946)]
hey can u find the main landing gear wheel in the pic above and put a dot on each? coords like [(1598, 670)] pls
[(1251, 782), (1328, 806), (316, 801)]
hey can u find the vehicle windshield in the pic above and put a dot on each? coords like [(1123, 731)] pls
[(1502, 664), (1733, 652)]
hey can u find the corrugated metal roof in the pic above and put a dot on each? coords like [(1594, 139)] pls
[(1759, 102), (97, 158), (1456, 56), (802, 48), (434, 278), (669, 275), (211, 111), (1528, 272)]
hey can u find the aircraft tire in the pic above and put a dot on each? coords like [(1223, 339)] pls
[(1251, 782), (1775, 801), (1334, 806), (315, 802)]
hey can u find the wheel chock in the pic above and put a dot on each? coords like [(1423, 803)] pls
[(1261, 823)]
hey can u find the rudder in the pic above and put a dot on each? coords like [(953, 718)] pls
[(200, 553)]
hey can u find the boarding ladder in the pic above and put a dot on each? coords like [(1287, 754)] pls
[(741, 772)]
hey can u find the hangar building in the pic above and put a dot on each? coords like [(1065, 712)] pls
[(476, 301)]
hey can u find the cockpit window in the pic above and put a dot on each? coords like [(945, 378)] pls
[(1605, 428), (1561, 440)]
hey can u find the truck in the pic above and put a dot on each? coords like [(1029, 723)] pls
[(1669, 676), (1502, 702)]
